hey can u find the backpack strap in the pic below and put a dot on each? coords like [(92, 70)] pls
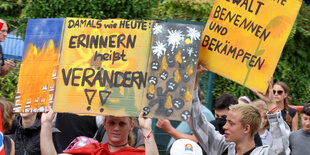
[(100, 133), (7, 145)]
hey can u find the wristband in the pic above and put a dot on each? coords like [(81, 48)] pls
[(149, 135), (273, 110)]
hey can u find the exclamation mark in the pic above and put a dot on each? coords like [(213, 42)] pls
[(89, 99)]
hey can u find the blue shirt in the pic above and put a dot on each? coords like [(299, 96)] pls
[(184, 128)]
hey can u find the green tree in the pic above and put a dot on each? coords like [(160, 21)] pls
[(17, 12), (11, 12), (96, 9), (292, 66), (8, 84), (192, 10)]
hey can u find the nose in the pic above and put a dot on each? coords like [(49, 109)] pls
[(116, 127), (225, 127)]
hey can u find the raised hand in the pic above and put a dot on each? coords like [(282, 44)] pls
[(144, 123), (200, 69), (47, 117), (7, 67), (164, 124), (268, 97)]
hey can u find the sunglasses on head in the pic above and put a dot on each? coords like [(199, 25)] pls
[(279, 92)]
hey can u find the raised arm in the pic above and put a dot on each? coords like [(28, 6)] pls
[(166, 126), (150, 144), (278, 128), (46, 138), (209, 139)]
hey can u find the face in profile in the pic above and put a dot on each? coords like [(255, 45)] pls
[(3, 32), (233, 127), (118, 129)]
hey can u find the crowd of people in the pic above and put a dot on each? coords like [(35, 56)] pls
[(267, 126)]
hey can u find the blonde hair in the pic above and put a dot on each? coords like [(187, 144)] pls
[(131, 137), (260, 105), (249, 115)]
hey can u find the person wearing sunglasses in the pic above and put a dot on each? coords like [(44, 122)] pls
[(281, 96)]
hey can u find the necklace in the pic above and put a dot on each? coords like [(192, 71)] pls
[(118, 145)]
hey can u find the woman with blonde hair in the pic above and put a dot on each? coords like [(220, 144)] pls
[(7, 117), (117, 129), (263, 131), (281, 96)]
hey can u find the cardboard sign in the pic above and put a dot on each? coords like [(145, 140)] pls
[(37, 75), (172, 70), (243, 39), (105, 67)]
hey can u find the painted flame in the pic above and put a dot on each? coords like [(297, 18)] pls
[(36, 82)]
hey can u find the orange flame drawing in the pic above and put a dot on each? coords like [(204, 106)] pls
[(37, 77)]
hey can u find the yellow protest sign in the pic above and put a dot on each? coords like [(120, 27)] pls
[(109, 67), (243, 39), (103, 63)]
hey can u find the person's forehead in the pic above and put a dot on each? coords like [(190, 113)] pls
[(4, 27), (305, 116), (277, 87), (119, 119), (234, 116), (222, 110)]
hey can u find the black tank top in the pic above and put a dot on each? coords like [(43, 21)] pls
[(7, 145)]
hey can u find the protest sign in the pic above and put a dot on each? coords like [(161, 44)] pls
[(37, 75), (243, 39), (172, 70), (105, 67)]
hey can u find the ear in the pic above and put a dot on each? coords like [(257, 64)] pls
[(247, 129), (285, 95)]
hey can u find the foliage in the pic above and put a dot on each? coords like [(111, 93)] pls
[(11, 12), (292, 65), (193, 10), (8, 84), (97, 9)]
